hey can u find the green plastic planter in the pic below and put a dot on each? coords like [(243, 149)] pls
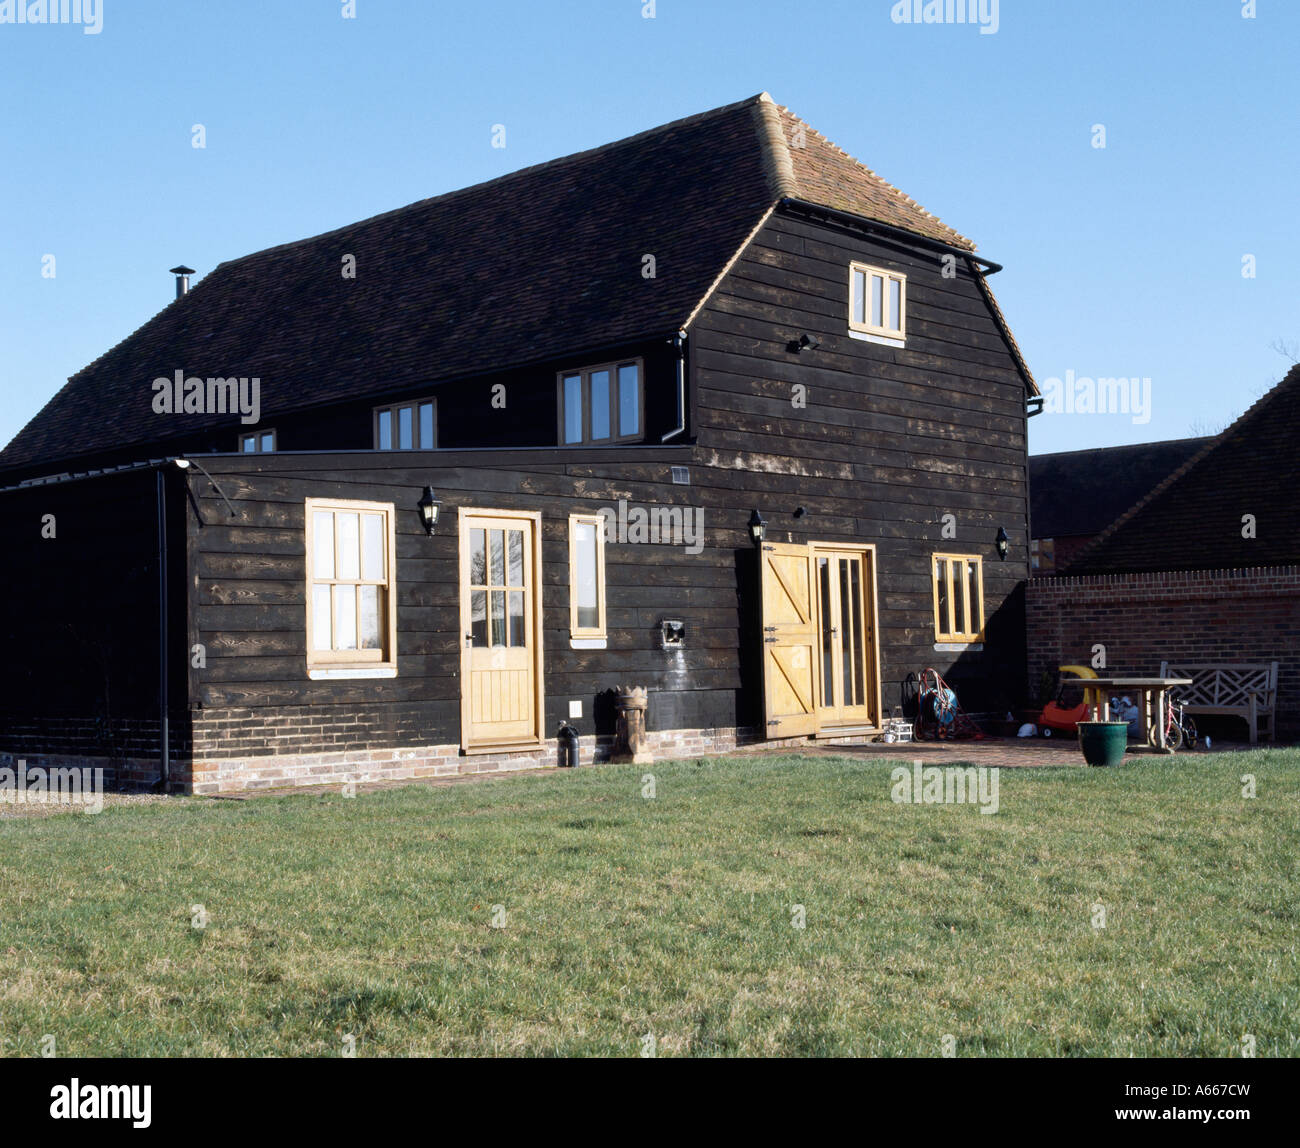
[(1103, 742)]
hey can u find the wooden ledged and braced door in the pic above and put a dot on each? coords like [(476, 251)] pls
[(789, 635), (501, 694), (820, 661)]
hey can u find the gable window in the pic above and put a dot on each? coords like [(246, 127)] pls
[(877, 302), (407, 426), (958, 597), (601, 404), (586, 577), (259, 442), (351, 613)]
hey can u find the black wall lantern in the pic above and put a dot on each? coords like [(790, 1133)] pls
[(757, 528), (429, 507), (1003, 541)]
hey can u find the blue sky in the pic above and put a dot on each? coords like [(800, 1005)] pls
[(1121, 262)]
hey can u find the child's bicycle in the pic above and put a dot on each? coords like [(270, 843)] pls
[(1180, 729)]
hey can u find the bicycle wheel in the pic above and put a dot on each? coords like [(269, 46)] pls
[(1174, 738)]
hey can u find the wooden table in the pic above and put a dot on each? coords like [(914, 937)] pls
[(1153, 692)]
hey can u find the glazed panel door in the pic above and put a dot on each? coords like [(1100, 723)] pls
[(501, 681), (846, 658)]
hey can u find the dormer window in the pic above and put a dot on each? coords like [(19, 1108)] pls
[(407, 426), (877, 304), (601, 404), (259, 442)]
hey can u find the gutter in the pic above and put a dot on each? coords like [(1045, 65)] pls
[(885, 229)]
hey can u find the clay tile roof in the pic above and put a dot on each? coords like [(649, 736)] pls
[(827, 175), (541, 263), (1193, 520), (1077, 492)]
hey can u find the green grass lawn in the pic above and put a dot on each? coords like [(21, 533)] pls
[(624, 916)]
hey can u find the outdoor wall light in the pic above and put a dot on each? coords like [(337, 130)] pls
[(804, 342), (429, 507), (1003, 542), (757, 528)]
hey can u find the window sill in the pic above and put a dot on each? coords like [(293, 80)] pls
[(958, 647), (588, 643), (883, 340), (335, 673)]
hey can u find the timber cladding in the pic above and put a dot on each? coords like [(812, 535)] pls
[(878, 443), (248, 604)]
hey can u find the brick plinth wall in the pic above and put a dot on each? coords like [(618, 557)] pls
[(1211, 616), (129, 774), (307, 764)]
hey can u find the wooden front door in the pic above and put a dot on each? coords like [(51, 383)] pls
[(501, 667), (789, 635), (820, 663), (846, 663)]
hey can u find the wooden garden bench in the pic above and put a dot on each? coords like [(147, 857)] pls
[(1248, 692)]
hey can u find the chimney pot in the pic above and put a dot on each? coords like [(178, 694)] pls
[(182, 274)]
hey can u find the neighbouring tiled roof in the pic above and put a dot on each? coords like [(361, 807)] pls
[(541, 263), (1193, 520), (1078, 492)]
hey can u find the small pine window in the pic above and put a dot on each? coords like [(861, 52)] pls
[(958, 597), (407, 426), (351, 616), (259, 442), (586, 576), (877, 301)]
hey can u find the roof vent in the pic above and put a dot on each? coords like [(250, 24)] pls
[(182, 274)]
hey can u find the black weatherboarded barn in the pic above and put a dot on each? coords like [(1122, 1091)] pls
[(609, 369)]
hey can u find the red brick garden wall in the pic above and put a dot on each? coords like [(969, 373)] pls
[(1249, 615)]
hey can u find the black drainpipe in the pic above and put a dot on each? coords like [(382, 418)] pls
[(164, 738), (679, 341)]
